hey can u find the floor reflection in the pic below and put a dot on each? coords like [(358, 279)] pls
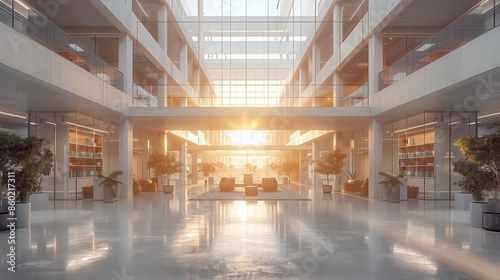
[(333, 236)]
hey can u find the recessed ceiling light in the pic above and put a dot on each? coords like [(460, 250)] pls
[(75, 47), (424, 47)]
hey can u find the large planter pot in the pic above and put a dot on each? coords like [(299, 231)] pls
[(39, 201), (491, 221), (211, 181), (403, 189), (393, 194), (23, 215), (337, 187), (98, 194), (462, 201), (327, 188), (247, 179), (383, 191), (476, 213), (168, 188), (107, 194)]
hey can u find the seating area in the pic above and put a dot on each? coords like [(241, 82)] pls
[(356, 186), (267, 184), (88, 191), (147, 185)]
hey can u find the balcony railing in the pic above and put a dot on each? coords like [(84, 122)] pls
[(31, 23), (473, 24)]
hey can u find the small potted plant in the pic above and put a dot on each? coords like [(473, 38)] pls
[(391, 186), (330, 163), (165, 165), (110, 185)]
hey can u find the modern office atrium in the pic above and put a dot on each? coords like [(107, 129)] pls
[(250, 86)]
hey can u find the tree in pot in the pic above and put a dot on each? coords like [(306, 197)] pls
[(207, 169), (110, 184), (391, 186), (24, 161), (165, 165), (474, 180), (485, 152), (288, 169), (330, 163)]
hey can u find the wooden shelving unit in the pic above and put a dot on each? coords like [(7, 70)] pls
[(416, 154), (85, 153)]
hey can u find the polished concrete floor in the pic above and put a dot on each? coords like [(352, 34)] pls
[(333, 236)]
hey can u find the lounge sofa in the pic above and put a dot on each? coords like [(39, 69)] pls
[(269, 184), (227, 184), (147, 185)]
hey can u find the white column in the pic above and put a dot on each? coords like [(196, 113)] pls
[(375, 136), (183, 158), (337, 94), (304, 172), (162, 27), (183, 59), (338, 143), (125, 61), (315, 156), (125, 147), (194, 168), (163, 91), (375, 61), (337, 29)]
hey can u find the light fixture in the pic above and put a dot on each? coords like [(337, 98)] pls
[(22, 4), (489, 115), (83, 126), (75, 47), (424, 47), (12, 115), (413, 127), (8, 130)]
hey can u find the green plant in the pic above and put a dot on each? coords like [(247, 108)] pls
[(110, 181), (352, 176), (474, 178), (330, 163), (391, 181), (28, 159), (485, 152), (165, 165)]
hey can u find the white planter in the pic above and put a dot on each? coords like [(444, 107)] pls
[(168, 189), (403, 189), (107, 194), (23, 215), (327, 188), (462, 201), (337, 187), (98, 193), (476, 213), (39, 201)]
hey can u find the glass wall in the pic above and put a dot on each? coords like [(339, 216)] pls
[(421, 148), (83, 147)]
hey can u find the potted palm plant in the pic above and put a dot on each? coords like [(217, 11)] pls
[(165, 165), (485, 152), (330, 163), (391, 186), (110, 186)]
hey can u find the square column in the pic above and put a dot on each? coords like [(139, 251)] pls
[(125, 148), (337, 29), (375, 61), (163, 91), (375, 163), (315, 156), (125, 61), (163, 27)]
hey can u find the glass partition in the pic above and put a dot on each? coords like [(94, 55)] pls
[(480, 20), (33, 24), (421, 148)]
